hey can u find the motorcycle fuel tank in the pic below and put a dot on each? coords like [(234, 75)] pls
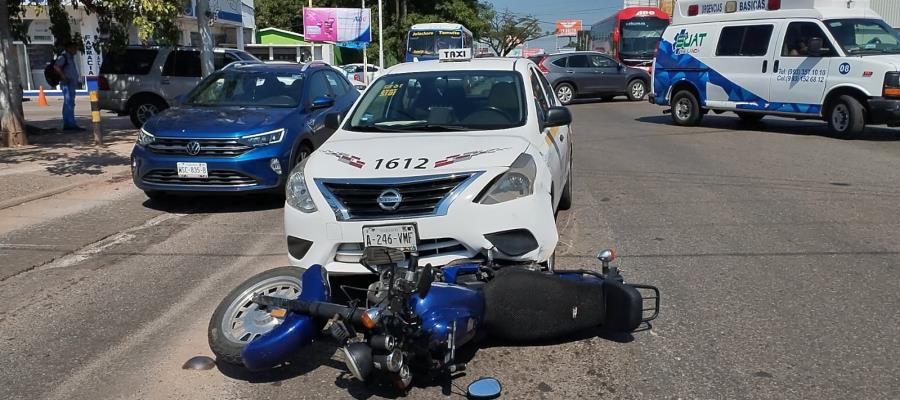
[(446, 305)]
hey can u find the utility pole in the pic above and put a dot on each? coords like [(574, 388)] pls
[(206, 44), (380, 40)]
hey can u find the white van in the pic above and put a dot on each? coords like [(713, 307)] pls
[(835, 60)]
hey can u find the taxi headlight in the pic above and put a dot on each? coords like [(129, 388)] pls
[(297, 193), (145, 138), (263, 139), (513, 184)]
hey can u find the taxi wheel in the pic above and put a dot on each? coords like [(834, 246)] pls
[(565, 202), (238, 320), (847, 117), (565, 93), (636, 90), (686, 109)]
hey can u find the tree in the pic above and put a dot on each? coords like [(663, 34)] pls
[(506, 31), (155, 20)]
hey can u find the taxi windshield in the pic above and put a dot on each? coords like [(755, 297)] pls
[(864, 36), (442, 101), (248, 89)]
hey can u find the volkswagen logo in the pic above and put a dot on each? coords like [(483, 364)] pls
[(389, 200), (193, 148)]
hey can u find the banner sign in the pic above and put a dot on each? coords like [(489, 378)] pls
[(568, 27), (337, 24)]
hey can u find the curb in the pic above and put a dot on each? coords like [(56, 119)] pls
[(51, 192)]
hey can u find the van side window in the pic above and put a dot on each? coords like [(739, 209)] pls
[(746, 41), (796, 40)]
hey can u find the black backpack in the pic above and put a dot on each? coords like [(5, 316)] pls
[(50, 75)]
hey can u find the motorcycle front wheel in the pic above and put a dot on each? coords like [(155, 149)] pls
[(238, 320)]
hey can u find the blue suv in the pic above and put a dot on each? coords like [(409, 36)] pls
[(241, 129)]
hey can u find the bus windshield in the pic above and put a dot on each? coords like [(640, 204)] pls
[(422, 43), (640, 37)]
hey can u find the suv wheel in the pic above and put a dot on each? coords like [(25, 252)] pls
[(565, 93), (145, 107), (636, 90)]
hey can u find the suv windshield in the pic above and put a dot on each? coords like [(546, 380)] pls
[(864, 36), (249, 89), (442, 101)]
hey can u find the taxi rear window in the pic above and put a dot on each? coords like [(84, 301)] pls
[(442, 101)]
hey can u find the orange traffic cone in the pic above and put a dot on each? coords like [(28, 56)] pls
[(42, 99)]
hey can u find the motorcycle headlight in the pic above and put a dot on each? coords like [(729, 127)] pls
[(297, 193), (513, 184), (145, 138), (263, 139)]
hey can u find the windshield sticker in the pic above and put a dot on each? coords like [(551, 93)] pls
[(345, 158), (464, 156), (422, 33), (389, 90)]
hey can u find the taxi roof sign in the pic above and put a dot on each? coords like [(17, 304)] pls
[(454, 54)]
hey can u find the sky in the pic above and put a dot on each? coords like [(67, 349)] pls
[(548, 11)]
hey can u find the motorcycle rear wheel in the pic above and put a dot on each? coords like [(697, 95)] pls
[(238, 321)]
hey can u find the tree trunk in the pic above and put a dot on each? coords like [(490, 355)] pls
[(12, 121)]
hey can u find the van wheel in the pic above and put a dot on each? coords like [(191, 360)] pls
[(636, 90), (686, 109), (847, 117), (750, 118), (565, 93), (145, 107)]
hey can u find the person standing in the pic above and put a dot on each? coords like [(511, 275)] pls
[(68, 72)]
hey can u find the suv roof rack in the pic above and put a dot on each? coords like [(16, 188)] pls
[(241, 62), (316, 63)]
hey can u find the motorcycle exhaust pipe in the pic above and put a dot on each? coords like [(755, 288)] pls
[(391, 362), (383, 342)]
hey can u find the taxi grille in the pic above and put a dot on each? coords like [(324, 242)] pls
[(357, 199), (352, 252), (208, 147), (215, 178)]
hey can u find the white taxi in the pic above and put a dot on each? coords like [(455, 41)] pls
[(450, 159)]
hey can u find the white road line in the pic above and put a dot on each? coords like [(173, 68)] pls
[(95, 248)]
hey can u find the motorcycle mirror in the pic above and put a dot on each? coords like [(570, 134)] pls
[(484, 388), (426, 277), (606, 256)]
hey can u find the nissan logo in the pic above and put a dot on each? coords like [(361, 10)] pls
[(193, 148), (389, 200)]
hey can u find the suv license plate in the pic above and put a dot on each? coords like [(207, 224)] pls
[(192, 170), (403, 237)]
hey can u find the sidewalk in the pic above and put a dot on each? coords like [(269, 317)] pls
[(57, 161)]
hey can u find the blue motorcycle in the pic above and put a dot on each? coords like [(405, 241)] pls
[(414, 318)]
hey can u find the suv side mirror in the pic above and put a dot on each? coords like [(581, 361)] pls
[(557, 116), (333, 121), (815, 47), (322, 102)]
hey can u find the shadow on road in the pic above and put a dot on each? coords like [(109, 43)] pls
[(216, 203), (780, 126), (69, 154)]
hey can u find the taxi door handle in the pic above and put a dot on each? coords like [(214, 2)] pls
[(562, 137)]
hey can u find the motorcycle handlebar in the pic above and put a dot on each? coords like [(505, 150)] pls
[(317, 309)]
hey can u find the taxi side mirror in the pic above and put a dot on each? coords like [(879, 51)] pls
[(557, 116), (333, 121), (815, 47)]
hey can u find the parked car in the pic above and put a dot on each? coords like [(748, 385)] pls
[(355, 71), (429, 149), (592, 74), (143, 81), (243, 128)]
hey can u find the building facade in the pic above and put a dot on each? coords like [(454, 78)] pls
[(233, 25)]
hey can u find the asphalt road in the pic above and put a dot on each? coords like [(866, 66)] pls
[(776, 248)]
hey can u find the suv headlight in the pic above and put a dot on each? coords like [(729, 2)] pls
[(145, 138), (263, 139), (297, 193), (513, 184)]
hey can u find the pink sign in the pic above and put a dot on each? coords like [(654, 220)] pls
[(337, 24)]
